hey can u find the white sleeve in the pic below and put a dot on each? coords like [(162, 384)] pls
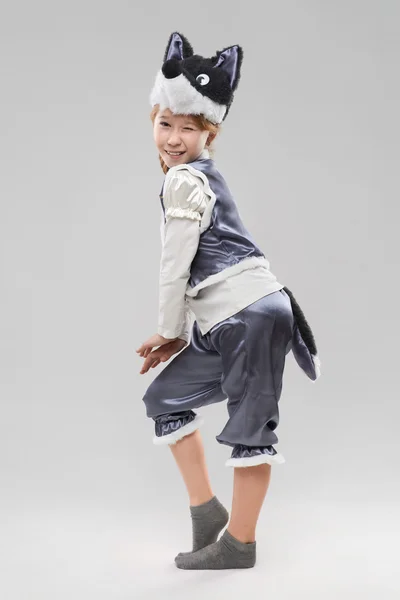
[(187, 326), (184, 203)]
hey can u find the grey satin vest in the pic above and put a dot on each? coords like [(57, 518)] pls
[(226, 241)]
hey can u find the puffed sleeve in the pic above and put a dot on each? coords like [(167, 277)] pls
[(183, 195), (184, 203)]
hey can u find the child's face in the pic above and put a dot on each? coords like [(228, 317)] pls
[(178, 133)]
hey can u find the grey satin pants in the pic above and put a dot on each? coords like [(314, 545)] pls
[(241, 359)]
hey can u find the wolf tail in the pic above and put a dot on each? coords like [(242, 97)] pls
[(303, 342)]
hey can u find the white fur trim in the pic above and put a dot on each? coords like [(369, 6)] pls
[(250, 461), (181, 97), (246, 263), (317, 365), (174, 436)]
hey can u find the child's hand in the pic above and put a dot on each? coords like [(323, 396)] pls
[(162, 354), (148, 345)]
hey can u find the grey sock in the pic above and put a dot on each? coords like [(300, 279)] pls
[(208, 519), (227, 553)]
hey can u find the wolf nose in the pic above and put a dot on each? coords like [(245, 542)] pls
[(171, 68)]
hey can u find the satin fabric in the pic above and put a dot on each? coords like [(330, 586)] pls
[(175, 49), (241, 451), (241, 359), (169, 423), (226, 241)]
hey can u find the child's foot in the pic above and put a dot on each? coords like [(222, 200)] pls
[(208, 520), (227, 553)]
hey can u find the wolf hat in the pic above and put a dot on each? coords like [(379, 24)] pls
[(190, 84)]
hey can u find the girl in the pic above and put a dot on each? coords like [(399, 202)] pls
[(246, 321)]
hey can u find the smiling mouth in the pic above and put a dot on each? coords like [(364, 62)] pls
[(175, 153)]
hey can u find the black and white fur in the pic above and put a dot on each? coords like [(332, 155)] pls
[(188, 83)]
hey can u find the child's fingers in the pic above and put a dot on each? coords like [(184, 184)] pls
[(146, 365), (150, 362), (154, 360), (144, 351)]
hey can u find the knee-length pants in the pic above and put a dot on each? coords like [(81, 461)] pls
[(241, 359)]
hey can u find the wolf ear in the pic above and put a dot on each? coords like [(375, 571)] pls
[(178, 47), (230, 60)]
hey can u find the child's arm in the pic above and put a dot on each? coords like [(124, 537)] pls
[(188, 320), (184, 202)]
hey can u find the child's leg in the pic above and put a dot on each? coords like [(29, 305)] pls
[(250, 486), (191, 380), (189, 455), (253, 366), (209, 516), (237, 547)]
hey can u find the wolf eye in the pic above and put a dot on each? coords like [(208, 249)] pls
[(203, 79)]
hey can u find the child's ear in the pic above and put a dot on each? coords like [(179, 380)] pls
[(211, 138), (178, 47), (230, 60)]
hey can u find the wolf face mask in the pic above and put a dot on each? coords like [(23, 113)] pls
[(188, 83)]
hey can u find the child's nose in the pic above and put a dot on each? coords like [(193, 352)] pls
[(174, 138)]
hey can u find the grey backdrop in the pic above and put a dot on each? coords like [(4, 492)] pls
[(90, 509)]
